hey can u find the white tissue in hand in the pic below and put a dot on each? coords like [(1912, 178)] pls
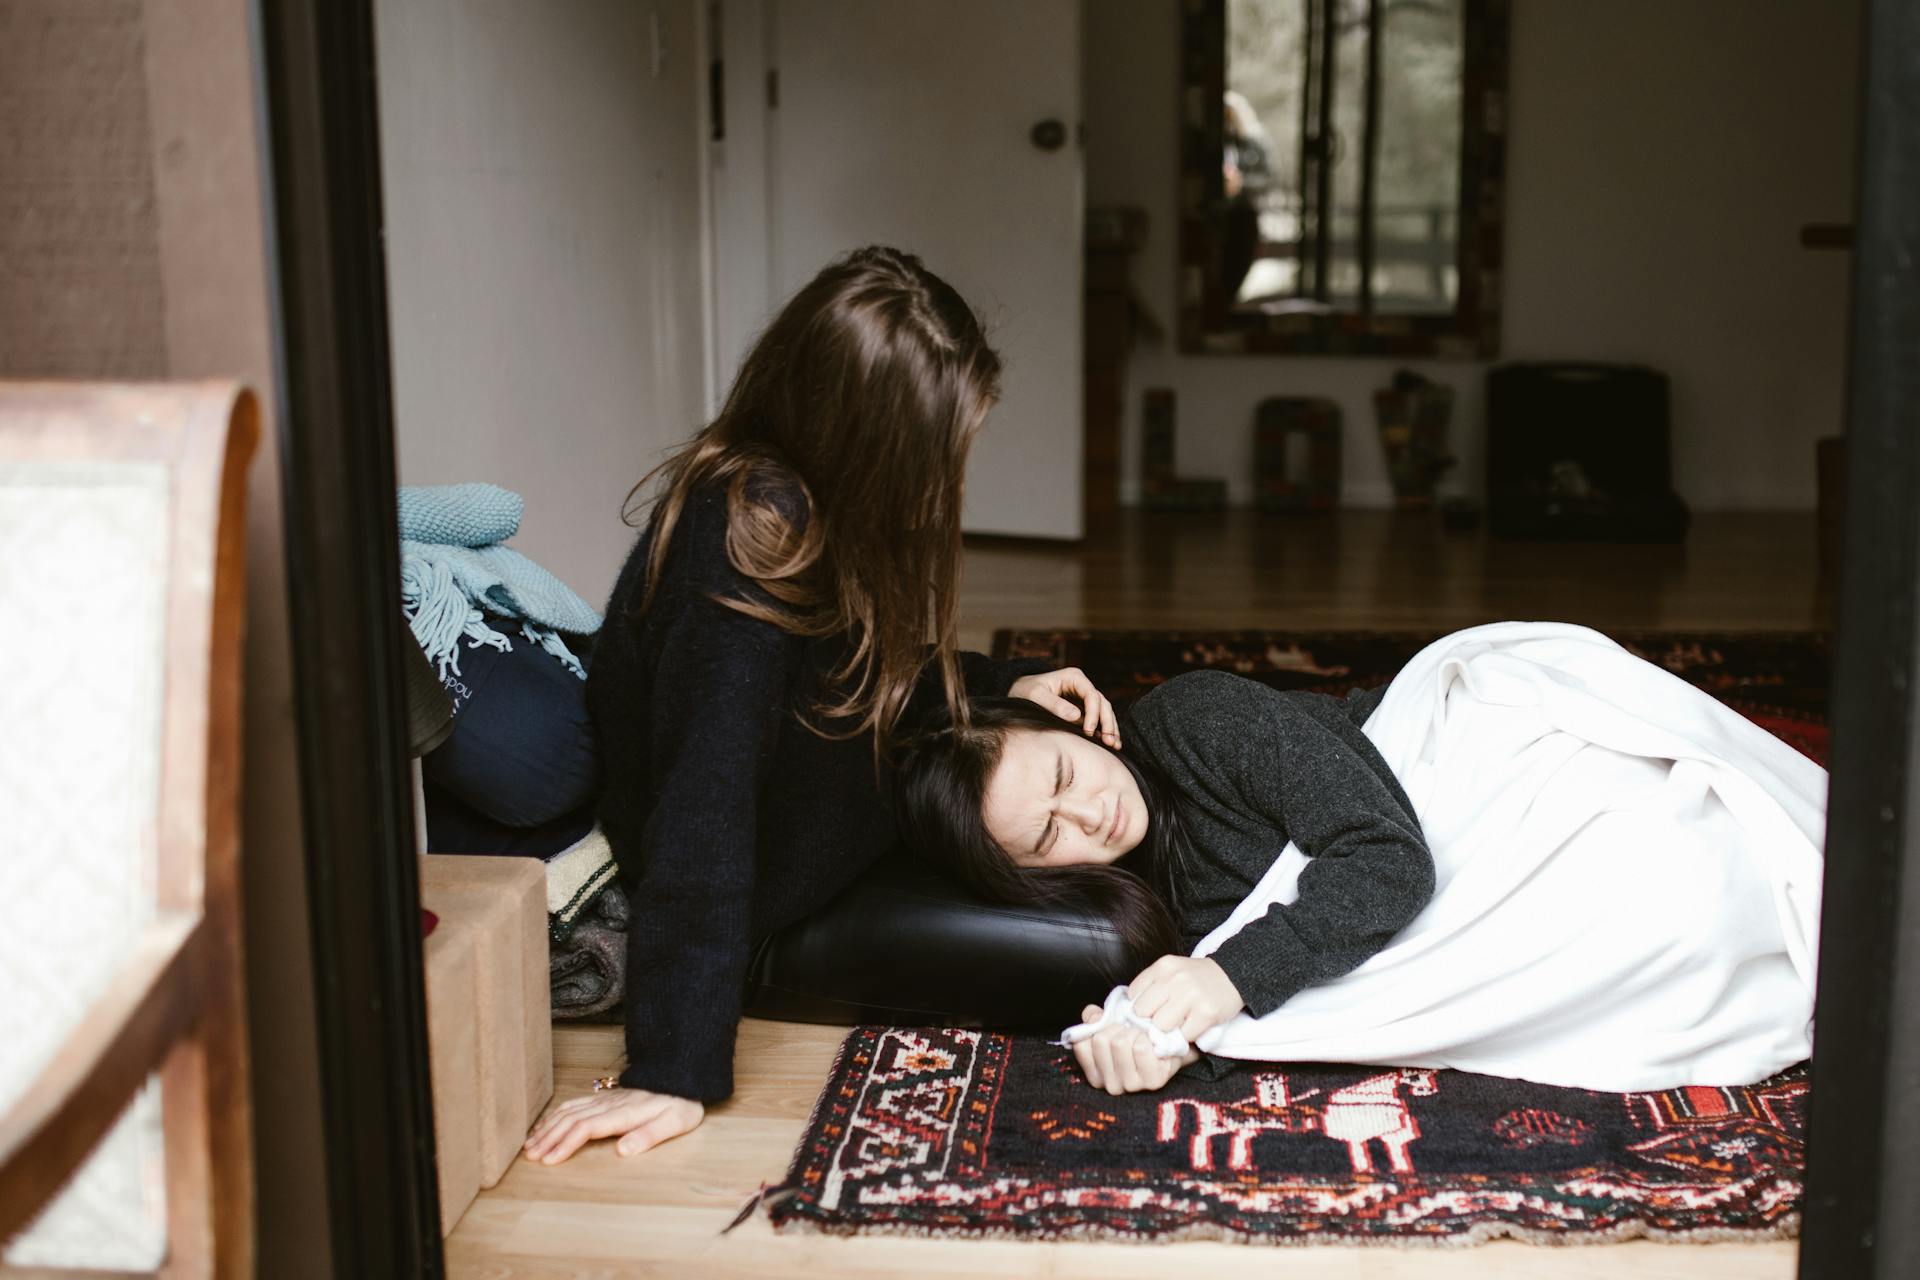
[(1119, 1011)]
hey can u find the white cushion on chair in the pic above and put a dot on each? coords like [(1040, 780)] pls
[(83, 564)]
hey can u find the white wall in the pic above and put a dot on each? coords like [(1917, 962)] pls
[(1661, 160), (542, 182), (904, 122)]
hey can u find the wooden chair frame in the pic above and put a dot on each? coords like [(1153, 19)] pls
[(177, 1004)]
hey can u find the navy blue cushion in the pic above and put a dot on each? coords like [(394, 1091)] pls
[(453, 827), (522, 751)]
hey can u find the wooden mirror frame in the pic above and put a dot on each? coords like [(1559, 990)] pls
[(1209, 326)]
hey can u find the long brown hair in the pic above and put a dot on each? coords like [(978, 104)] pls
[(864, 393), (940, 790)]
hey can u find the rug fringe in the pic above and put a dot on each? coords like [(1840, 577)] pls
[(1788, 1228), (769, 1194)]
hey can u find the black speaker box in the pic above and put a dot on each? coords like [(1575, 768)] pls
[(1581, 452)]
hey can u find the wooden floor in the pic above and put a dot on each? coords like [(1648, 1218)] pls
[(662, 1213), (1383, 571)]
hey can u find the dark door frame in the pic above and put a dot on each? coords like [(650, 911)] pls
[(343, 573), (1862, 1216), (336, 437)]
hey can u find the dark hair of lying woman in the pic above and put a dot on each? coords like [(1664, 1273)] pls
[(940, 789)]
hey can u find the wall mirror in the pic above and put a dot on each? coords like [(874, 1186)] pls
[(1342, 175)]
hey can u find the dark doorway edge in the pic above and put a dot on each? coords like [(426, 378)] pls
[(337, 467), (1863, 1188)]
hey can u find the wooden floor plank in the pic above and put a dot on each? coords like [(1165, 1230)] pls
[(559, 1237), (661, 1214)]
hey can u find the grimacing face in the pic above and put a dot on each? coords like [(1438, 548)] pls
[(1058, 800)]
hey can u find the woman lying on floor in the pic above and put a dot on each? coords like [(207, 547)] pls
[(1531, 855), (765, 639)]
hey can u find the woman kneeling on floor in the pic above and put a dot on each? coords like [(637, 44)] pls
[(1531, 855), (788, 606)]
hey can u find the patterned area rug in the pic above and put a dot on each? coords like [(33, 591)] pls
[(971, 1133), (1777, 679)]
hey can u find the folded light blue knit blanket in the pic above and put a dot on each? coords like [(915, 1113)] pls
[(455, 579)]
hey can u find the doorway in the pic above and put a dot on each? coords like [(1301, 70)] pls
[(337, 395)]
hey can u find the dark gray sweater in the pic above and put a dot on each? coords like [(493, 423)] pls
[(1258, 768)]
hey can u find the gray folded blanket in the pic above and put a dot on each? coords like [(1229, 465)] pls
[(587, 972)]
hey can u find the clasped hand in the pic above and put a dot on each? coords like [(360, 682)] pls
[(1179, 993)]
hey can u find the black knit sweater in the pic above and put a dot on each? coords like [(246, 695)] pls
[(728, 817), (1258, 768)]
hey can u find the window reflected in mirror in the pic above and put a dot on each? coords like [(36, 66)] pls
[(1342, 175)]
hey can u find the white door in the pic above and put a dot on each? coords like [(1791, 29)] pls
[(908, 122)]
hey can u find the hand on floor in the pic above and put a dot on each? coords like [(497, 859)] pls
[(639, 1118), (1184, 994), (1120, 1059)]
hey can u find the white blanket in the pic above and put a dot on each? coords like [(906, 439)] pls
[(1628, 880)]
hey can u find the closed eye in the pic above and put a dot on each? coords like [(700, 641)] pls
[(1062, 778)]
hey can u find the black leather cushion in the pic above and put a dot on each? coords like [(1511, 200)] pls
[(905, 945)]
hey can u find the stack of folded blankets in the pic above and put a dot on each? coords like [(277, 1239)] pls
[(587, 929)]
